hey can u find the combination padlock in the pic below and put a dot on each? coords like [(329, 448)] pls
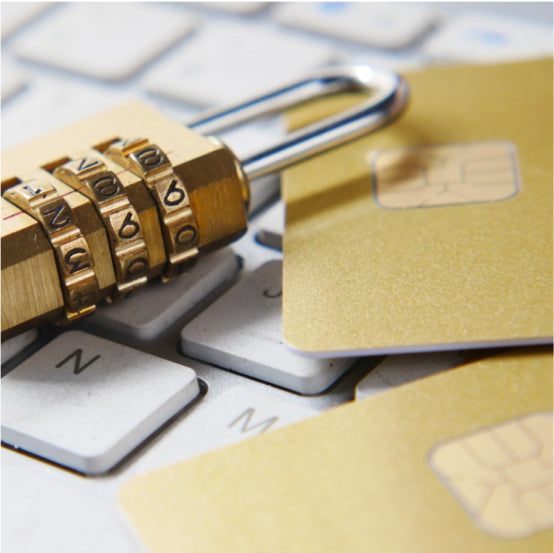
[(94, 211)]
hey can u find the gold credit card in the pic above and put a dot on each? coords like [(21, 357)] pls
[(433, 233), (432, 466)]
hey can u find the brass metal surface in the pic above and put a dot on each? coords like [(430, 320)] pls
[(28, 265)]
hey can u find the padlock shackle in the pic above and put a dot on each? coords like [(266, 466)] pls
[(389, 97)]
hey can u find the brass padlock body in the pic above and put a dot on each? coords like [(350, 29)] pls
[(215, 183)]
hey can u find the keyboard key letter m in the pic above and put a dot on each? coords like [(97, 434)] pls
[(247, 426)]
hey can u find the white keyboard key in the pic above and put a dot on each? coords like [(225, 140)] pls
[(13, 79), (399, 61), (383, 25), (255, 136), (482, 38), (271, 227), (147, 312), (109, 41), (242, 331), (242, 8), (229, 62), (237, 414), (240, 413), (253, 255), (401, 369), (262, 190), (16, 14), (61, 514), (51, 105), (85, 402), (15, 345)]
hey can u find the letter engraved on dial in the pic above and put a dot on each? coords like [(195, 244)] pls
[(87, 163), (35, 191)]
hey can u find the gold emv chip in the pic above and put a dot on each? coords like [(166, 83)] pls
[(446, 174), (502, 475)]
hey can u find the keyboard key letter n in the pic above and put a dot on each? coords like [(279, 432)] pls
[(77, 355)]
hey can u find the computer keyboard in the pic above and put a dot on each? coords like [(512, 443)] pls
[(189, 366)]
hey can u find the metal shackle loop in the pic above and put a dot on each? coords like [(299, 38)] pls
[(389, 95)]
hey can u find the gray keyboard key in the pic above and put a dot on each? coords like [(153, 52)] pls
[(271, 227), (147, 312), (15, 345), (401, 369)]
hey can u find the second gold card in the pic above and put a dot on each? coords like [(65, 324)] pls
[(434, 233)]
